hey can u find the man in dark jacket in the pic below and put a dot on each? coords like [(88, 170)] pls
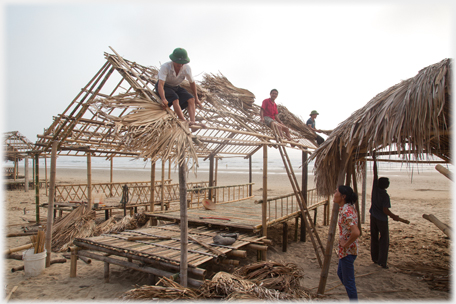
[(379, 213)]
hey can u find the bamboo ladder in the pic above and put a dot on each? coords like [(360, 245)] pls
[(299, 197)]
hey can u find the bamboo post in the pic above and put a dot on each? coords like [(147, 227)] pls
[(45, 175), (26, 174), (363, 205), (169, 168), (305, 169), (37, 189), (444, 171), (15, 169), (331, 233), (152, 188), (111, 179), (444, 227), (250, 175), (162, 202), (183, 221), (50, 215), (355, 189), (73, 261), (211, 174), (264, 206), (89, 180)]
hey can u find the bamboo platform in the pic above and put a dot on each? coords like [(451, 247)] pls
[(157, 249), (243, 214)]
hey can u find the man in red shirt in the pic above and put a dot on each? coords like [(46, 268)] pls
[(269, 111)]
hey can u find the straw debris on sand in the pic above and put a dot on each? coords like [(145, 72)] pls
[(262, 280)]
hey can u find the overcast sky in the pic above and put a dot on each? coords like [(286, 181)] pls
[(331, 57)]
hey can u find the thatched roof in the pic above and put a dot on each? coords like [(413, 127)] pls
[(118, 114), (411, 117), (15, 146)]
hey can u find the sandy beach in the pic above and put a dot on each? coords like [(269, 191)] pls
[(419, 255)]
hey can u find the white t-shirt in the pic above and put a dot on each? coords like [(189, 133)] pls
[(168, 75)]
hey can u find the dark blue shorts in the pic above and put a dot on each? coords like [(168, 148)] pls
[(174, 93)]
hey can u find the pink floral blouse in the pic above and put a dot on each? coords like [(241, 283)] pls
[(347, 218)]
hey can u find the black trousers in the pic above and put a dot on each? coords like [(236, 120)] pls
[(379, 240)]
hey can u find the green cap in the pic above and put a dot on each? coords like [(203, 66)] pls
[(314, 112), (179, 55)]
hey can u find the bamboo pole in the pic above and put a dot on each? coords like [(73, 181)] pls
[(363, 207), (152, 188), (250, 175), (183, 222), (444, 171), (444, 227), (265, 197), (162, 202), (304, 183), (111, 179), (37, 189), (211, 175), (26, 174), (50, 215), (331, 233), (355, 189), (89, 181), (45, 175), (23, 247), (169, 168)]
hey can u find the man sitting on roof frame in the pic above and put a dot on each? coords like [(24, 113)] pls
[(170, 76), (269, 111)]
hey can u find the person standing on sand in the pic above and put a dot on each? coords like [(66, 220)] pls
[(348, 238), (269, 111), (311, 124), (379, 212), (170, 76)]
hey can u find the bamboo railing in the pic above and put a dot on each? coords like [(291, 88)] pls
[(283, 207), (139, 192), (220, 194)]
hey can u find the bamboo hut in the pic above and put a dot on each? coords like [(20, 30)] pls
[(411, 119), (15, 148), (118, 114)]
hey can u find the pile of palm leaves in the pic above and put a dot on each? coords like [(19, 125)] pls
[(169, 290), (115, 225), (273, 275), (296, 123), (155, 132), (79, 223), (219, 85)]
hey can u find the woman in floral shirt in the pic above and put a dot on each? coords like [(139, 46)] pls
[(348, 238)]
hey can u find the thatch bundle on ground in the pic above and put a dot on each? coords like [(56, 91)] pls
[(259, 281), (273, 275), (81, 223), (411, 117), (169, 290)]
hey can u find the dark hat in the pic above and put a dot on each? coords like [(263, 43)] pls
[(313, 112), (179, 55)]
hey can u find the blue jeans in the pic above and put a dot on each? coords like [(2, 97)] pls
[(346, 274)]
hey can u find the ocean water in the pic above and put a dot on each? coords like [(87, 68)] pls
[(230, 165)]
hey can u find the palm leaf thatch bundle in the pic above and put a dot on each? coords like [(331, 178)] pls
[(412, 116), (296, 123), (219, 85), (273, 275), (154, 132), (169, 290), (225, 285), (113, 225), (79, 223)]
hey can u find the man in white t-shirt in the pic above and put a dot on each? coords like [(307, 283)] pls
[(170, 76)]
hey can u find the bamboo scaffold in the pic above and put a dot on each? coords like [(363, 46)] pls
[(306, 218)]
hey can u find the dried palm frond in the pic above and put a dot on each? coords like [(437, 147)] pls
[(296, 123), (79, 223), (224, 284), (219, 85), (169, 290), (273, 275), (154, 132), (414, 117), (112, 225)]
